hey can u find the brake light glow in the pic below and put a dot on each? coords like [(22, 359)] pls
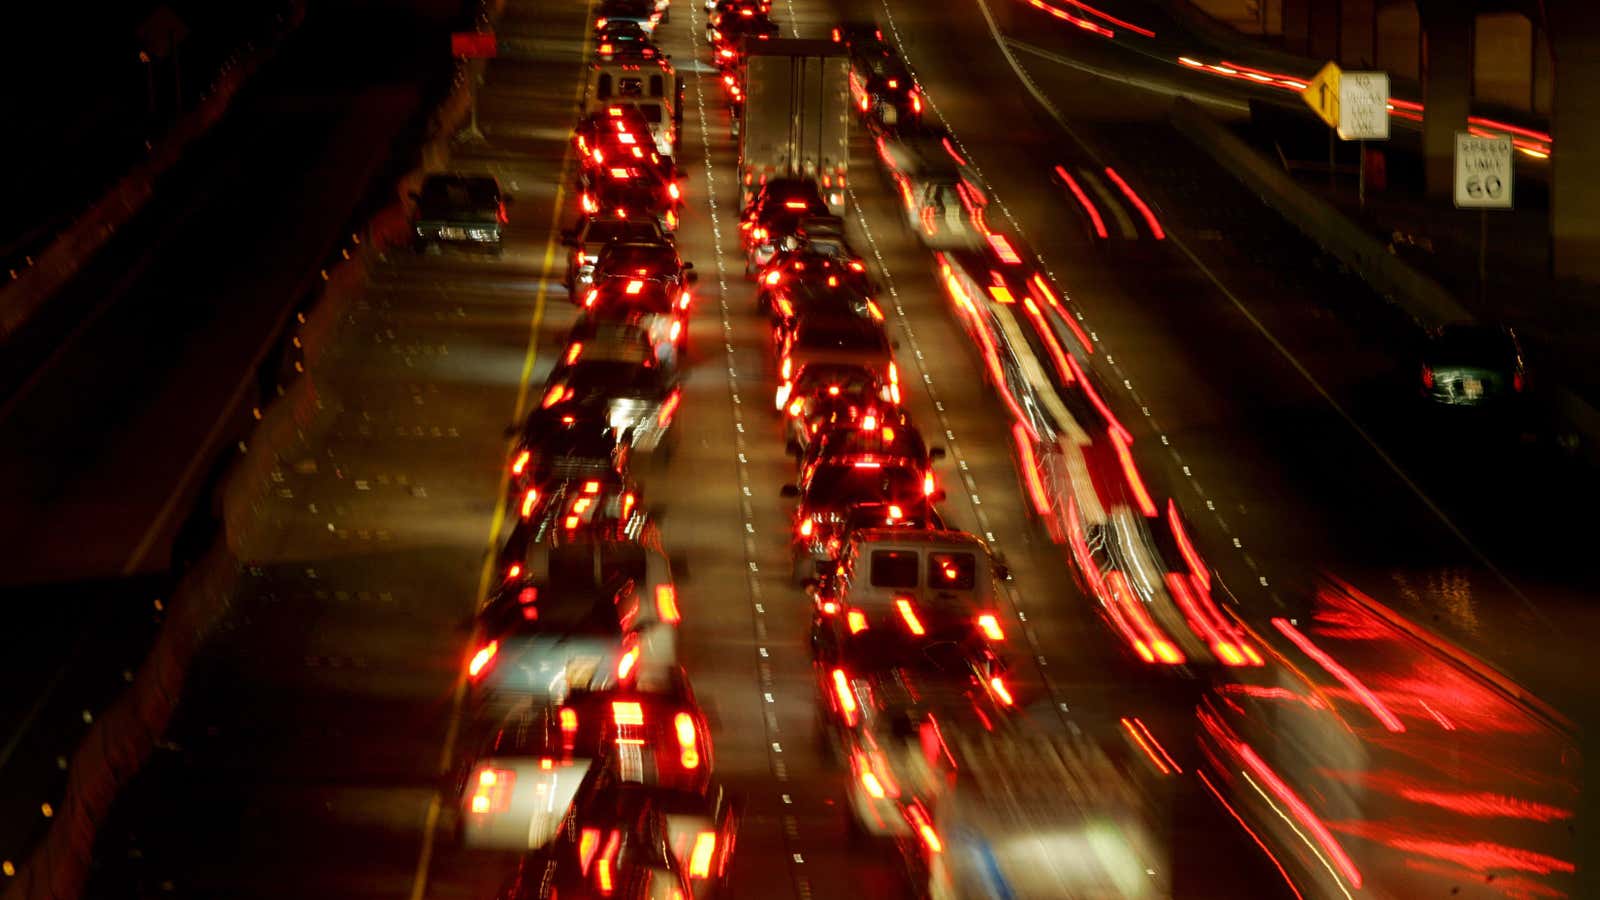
[(675, 331), (573, 352), (919, 818), (871, 783), (594, 294), (571, 522), (774, 277), (481, 659), (684, 299), (529, 498), (857, 620), (868, 464), (667, 409), (705, 845), (998, 684), (1131, 472), (634, 286), (588, 846), (621, 173), (627, 712), (603, 870), (895, 512), (589, 205), (491, 792), (990, 624), (688, 752), (794, 204), (627, 504), (667, 603), (514, 570), (626, 137), (1144, 210), (807, 526), (908, 614), (869, 422), (569, 726), (927, 484), (520, 464), (1345, 677), (845, 696), (916, 102), (872, 308), (796, 406), (626, 663)]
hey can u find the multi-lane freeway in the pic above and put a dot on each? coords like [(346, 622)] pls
[(316, 746)]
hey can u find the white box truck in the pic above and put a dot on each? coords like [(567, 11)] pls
[(796, 116)]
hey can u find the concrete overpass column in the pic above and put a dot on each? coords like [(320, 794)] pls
[(1575, 174), (1446, 89)]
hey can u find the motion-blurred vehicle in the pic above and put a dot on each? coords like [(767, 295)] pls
[(542, 637), (793, 275), (884, 92), (458, 210), (554, 446), (827, 293), (817, 353), (942, 197), (629, 191), (585, 242), (887, 685), (831, 485), (610, 13), (656, 260), (778, 211), (605, 507), (1472, 365), (657, 305), (619, 133), (621, 384), (796, 122), (624, 39), (611, 324), (652, 85), (1028, 812), (732, 35), (949, 571)]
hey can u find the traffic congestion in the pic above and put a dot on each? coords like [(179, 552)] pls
[(833, 551)]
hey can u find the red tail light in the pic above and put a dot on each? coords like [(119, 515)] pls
[(573, 352), (998, 685), (857, 620), (482, 658), (569, 729), (520, 464), (667, 603), (491, 792), (504, 219), (588, 846), (846, 697), (673, 192), (991, 627), (705, 845), (603, 874), (794, 204), (688, 752), (514, 571), (594, 294), (807, 526), (605, 49), (667, 409), (916, 102), (684, 299), (908, 613), (774, 277), (675, 332), (627, 712), (1427, 377), (919, 819), (626, 664), (927, 485), (1518, 382)]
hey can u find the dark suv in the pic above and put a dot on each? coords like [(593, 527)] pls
[(461, 210)]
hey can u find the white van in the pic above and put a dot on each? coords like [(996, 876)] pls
[(650, 84)]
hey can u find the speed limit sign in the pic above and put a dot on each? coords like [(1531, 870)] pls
[(1483, 171)]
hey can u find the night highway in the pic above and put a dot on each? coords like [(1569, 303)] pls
[(1300, 633)]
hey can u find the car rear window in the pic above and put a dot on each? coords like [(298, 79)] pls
[(952, 571), (894, 568)]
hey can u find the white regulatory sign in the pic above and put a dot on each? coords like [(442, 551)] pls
[(1364, 106), (1483, 171)]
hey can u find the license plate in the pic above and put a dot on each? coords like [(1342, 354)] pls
[(1471, 388), (453, 234)]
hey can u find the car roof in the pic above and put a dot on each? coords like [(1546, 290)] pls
[(892, 538), (839, 332)]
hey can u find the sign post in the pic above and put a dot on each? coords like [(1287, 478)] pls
[(1322, 95), (1484, 180), (473, 45), (1363, 115)]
